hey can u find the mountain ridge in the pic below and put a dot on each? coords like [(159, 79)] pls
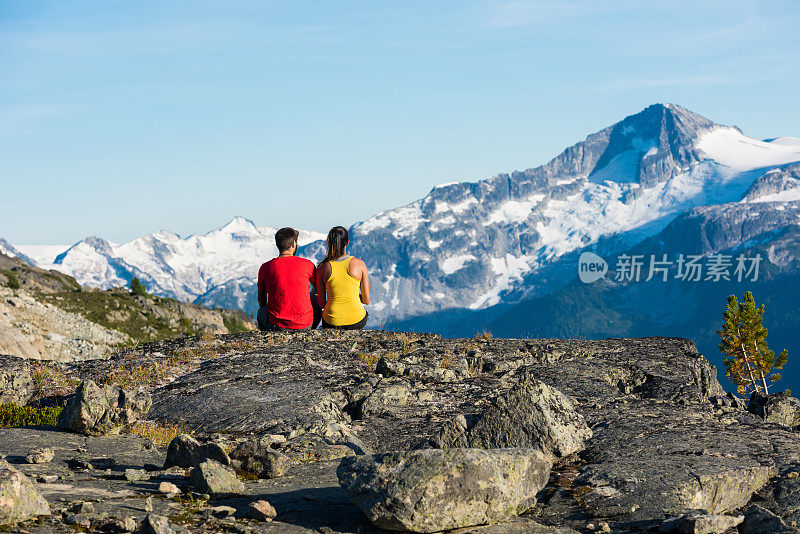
[(475, 245)]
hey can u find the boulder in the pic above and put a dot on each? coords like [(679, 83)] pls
[(98, 410), (213, 478), (258, 457), (433, 489), (156, 524), (530, 414), (40, 456), (777, 408), (19, 498), (168, 488), (262, 511), (701, 523), (185, 451)]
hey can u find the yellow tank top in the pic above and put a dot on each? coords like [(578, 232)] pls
[(344, 303)]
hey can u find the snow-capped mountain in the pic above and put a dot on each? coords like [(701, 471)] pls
[(474, 245), (168, 265)]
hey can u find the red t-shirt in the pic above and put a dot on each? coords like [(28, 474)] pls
[(286, 280)]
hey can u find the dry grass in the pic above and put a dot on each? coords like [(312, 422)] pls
[(161, 435), (484, 335), (151, 372), (370, 359)]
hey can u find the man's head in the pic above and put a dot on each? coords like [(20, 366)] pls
[(285, 239)]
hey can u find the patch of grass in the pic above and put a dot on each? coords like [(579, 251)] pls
[(151, 372), (50, 381), (484, 335), (161, 435), (370, 359), (12, 415), (117, 311), (190, 507)]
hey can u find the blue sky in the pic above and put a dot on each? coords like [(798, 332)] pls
[(119, 118)]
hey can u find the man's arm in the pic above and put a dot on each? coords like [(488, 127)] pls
[(262, 296)]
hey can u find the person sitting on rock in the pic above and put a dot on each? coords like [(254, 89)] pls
[(284, 299), (340, 279)]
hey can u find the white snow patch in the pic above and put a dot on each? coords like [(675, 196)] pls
[(507, 269), (514, 211), (790, 195), (729, 147), (456, 263)]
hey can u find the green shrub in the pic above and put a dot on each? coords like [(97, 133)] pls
[(137, 288), (234, 324), (13, 415), (12, 280)]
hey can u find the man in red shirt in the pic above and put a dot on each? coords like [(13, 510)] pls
[(284, 299)]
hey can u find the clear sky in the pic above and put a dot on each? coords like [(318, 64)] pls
[(118, 118)]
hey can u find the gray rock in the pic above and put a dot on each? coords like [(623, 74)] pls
[(531, 414), (432, 490), (186, 451), (701, 523), (776, 408), (758, 520), (156, 524), (385, 397), (262, 511), (15, 380), (107, 410), (136, 475), (180, 451), (214, 478), (19, 498), (168, 488), (40, 456), (259, 458)]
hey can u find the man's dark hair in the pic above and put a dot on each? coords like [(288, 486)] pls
[(285, 238)]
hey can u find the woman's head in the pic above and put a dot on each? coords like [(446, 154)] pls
[(338, 239)]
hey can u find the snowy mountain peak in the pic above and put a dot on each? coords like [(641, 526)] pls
[(239, 225), (93, 244)]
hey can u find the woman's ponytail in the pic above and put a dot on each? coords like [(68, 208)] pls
[(338, 239)]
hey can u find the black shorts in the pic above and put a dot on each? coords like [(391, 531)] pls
[(357, 326)]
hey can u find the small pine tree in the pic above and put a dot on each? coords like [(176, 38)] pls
[(137, 288), (744, 340)]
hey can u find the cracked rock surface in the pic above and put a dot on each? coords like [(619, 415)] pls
[(639, 433)]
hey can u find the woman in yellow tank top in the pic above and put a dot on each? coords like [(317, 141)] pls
[(342, 285)]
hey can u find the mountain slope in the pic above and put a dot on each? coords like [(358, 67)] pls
[(474, 245)]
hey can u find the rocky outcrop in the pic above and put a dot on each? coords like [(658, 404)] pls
[(103, 410), (667, 447), (432, 490), (530, 414), (777, 408), (19, 498)]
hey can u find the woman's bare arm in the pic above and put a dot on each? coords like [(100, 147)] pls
[(364, 282)]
